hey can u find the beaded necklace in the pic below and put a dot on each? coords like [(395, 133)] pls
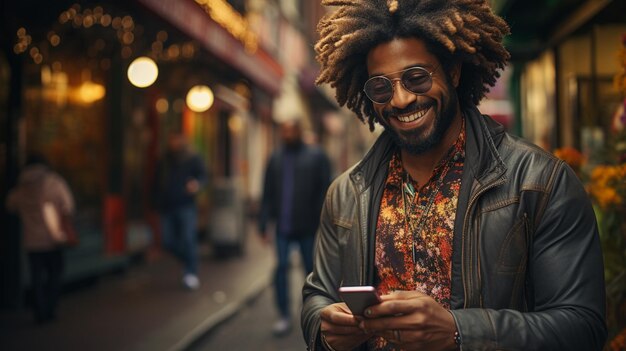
[(409, 192)]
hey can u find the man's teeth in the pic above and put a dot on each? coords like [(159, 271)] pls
[(413, 117)]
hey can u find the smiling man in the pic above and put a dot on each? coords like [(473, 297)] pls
[(475, 239)]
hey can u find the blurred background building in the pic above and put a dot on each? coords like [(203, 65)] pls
[(561, 77), (224, 73), (96, 86)]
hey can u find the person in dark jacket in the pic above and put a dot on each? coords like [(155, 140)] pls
[(475, 239), (296, 179), (180, 176)]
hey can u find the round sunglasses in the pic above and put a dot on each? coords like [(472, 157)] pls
[(417, 80)]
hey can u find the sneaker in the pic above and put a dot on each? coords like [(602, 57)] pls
[(282, 327), (191, 281)]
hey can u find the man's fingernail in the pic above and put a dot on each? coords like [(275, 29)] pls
[(368, 312)]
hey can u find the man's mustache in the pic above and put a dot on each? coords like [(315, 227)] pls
[(411, 108)]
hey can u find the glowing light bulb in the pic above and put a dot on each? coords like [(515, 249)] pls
[(142, 72), (200, 98)]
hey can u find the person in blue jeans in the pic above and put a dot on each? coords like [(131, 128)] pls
[(296, 179), (180, 176)]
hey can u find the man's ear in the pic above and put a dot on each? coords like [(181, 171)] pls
[(455, 74)]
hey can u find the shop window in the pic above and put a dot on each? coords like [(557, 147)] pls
[(68, 130), (594, 109)]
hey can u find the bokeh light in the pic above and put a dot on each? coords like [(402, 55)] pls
[(142, 72), (200, 98)]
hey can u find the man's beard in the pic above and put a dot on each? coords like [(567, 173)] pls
[(414, 141)]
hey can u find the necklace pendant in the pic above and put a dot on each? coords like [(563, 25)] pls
[(408, 188)]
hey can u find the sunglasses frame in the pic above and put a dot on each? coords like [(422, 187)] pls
[(392, 81)]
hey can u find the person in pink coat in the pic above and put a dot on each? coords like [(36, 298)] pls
[(39, 196)]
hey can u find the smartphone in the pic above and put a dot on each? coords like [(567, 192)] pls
[(358, 298)]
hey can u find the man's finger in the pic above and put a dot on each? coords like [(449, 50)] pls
[(340, 330), (386, 324), (341, 319), (402, 295), (336, 314), (391, 308)]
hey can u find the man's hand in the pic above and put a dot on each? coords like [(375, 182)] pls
[(340, 328), (412, 321)]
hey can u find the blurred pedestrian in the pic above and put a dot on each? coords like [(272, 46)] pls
[(40, 198), (296, 179), (180, 176)]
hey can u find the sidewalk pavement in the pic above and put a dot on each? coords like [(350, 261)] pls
[(146, 307), (256, 321)]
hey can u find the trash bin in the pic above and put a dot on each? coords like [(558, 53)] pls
[(227, 220)]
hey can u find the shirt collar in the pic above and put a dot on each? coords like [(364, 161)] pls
[(396, 173)]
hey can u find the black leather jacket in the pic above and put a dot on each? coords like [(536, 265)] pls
[(527, 271)]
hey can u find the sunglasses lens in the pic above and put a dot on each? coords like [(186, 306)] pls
[(417, 80), (379, 89)]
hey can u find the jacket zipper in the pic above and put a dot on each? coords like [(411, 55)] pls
[(467, 282), (363, 226)]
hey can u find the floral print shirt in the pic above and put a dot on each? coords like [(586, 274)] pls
[(410, 258)]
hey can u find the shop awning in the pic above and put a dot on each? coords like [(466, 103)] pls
[(539, 24), (321, 97), (191, 19)]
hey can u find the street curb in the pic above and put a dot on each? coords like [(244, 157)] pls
[(220, 316)]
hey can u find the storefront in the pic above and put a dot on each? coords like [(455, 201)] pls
[(9, 244), (565, 54), (105, 134)]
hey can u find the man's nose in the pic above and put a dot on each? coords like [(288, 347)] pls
[(401, 97)]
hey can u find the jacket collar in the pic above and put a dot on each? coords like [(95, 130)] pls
[(484, 134), (374, 164)]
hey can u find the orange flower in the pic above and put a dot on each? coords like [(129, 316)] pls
[(619, 342), (607, 185), (571, 156)]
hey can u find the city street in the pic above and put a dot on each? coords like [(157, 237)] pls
[(144, 144), (146, 308), (251, 328)]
